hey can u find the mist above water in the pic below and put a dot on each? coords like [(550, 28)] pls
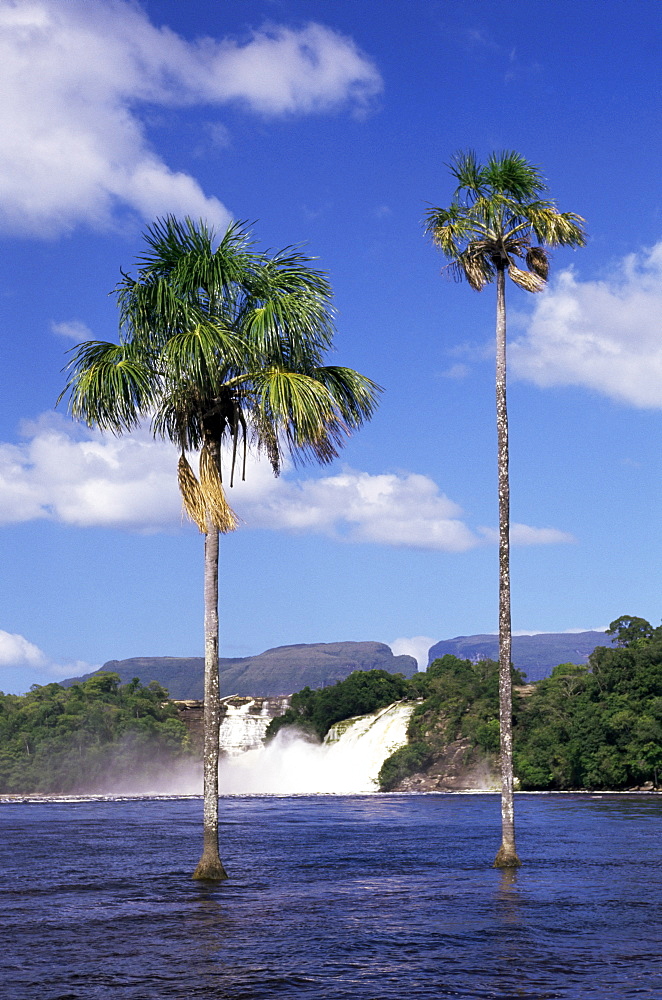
[(346, 763), (182, 778)]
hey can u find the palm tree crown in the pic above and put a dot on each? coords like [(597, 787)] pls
[(498, 216), (221, 343)]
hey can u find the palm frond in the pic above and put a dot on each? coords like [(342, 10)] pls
[(476, 264), (452, 228), (468, 173), (354, 397), (204, 355), (510, 174), (111, 386), (557, 228), (301, 409), (528, 280), (287, 314)]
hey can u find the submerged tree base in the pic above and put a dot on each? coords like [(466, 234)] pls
[(210, 870), (506, 858)]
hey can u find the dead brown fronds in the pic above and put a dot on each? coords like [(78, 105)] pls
[(211, 487), (192, 496), (527, 280)]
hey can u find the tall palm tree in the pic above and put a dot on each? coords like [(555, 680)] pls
[(220, 345), (500, 216)]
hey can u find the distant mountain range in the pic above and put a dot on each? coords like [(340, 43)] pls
[(282, 670), (286, 669), (536, 655)]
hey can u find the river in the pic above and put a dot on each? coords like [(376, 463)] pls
[(365, 897)]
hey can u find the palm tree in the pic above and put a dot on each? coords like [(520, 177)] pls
[(220, 345), (500, 216)]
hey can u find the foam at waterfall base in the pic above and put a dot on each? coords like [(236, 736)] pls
[(347, 763)]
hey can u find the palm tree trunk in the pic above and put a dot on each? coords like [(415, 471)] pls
[(210, 865), (507, 855)]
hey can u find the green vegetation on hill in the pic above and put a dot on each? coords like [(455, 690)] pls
[(91, 737), (601, 726), (461, 699), (584, 727)]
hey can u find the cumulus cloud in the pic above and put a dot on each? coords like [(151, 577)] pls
[(417, 646), (16, 651), (80, 477), (19, 654), (74, 75), (605, 335), (405, 510), (281, 70)]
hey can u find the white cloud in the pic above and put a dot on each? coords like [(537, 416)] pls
[(457, 371), (604, 335), (83, 478), (18, 654), (417, 646), (73, 668), (80, 477), (73, 76), (281, 70), (73, 329), (404, 510), (16, 651)]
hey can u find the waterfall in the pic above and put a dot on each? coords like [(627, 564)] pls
[(346, 763), (244, 724)]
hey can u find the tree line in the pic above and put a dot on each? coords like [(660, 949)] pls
[(94, 736), (594, 726), (598, 726)]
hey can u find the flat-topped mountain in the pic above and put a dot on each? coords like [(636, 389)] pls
[(536, 655), (281, 670), (286, 669)]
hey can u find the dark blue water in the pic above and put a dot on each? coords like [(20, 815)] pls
[(368, 898)]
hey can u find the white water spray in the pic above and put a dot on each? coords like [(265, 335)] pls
[(347, 763)]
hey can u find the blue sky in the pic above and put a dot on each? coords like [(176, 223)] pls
[(323, 124)]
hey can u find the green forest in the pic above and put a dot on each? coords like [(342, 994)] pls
[(597, 726), (91, 737)]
